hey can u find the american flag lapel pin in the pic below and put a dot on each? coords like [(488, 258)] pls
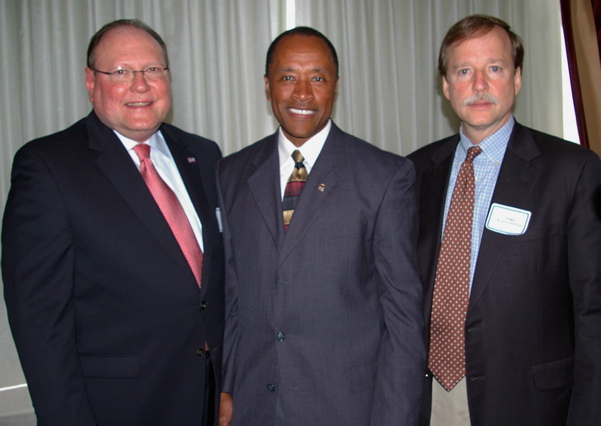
[(191, 160)]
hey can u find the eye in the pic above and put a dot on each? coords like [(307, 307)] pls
[(152, 69), (121, 72), (287, 78), (319, 79), (495, 68)]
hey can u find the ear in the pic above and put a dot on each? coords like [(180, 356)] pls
[(90, 83), (336, 89), (267, 90), (445, 87), (517, 80)]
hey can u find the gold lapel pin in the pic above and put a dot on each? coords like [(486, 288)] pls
[(321, 187)]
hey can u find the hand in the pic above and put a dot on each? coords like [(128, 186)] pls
[(226, 408)]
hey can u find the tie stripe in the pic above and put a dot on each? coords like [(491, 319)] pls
[(294, 187)]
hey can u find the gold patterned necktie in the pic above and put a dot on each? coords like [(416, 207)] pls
[(446, 357), (294, 187), (172, 211)]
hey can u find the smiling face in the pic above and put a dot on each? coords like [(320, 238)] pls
[(301, 86), (482, 83), (136, 109)]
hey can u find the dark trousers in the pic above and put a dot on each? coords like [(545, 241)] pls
[(209, 412)]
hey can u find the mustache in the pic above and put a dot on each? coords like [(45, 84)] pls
[(479, 97)]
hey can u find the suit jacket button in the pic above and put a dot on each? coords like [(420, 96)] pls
[(280, 336), (203, 305), (200, 352), (270, 387)]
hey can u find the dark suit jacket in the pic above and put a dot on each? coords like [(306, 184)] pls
[(328, 315), (533, 328), (105, 311)]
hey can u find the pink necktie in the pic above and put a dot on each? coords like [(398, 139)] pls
[(172, 210), (446, 357)]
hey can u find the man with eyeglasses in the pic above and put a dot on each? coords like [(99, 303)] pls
[(111, 252)]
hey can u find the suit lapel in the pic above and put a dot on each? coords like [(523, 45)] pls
[(514, 185), (114, 161), (433, 193), (321, 185), (264, 186)]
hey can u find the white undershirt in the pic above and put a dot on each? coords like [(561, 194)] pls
[(165, 165)]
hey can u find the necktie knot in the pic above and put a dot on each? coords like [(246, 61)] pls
[(143, 151), (299, 173), (297, 157), (472, 153)]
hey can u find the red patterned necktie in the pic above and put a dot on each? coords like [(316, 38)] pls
[(446, 358), (172, 210), (294, 187)]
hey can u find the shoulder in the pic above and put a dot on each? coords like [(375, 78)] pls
[(192, 141), (551, 152), (427, 152), (60, 145), (256, 152), (551, 145), (362, 152)]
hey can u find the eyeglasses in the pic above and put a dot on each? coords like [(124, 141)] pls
[(127, 75)]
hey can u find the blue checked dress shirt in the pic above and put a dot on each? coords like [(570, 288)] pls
[(486, 170)]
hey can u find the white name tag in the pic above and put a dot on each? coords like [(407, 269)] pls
[(507, 220)]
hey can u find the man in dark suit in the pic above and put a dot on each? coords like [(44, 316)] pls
[(114, 321), (528, 336), (323, 320)]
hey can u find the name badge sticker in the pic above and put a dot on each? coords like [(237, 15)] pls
[(507, 220)]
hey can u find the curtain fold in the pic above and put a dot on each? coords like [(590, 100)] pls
[(582, 31), (390, 93)]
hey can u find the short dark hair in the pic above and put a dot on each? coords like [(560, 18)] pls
[(303, 31), (474, 26), (121, 23)]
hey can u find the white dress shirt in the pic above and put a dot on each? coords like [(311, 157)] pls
[(310, 150)]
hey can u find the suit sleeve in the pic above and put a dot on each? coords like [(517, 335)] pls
[(230, 337), (402, 358), (38, 274), (584, 255)]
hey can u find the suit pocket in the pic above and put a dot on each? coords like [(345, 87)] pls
[(554, 374), (110, 367)]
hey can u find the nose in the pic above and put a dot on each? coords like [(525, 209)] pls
[(139, 83), (303, 90), (480, 81)]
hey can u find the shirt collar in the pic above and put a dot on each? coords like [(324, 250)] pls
[(156, 142), (310, 149), (493, 146)]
